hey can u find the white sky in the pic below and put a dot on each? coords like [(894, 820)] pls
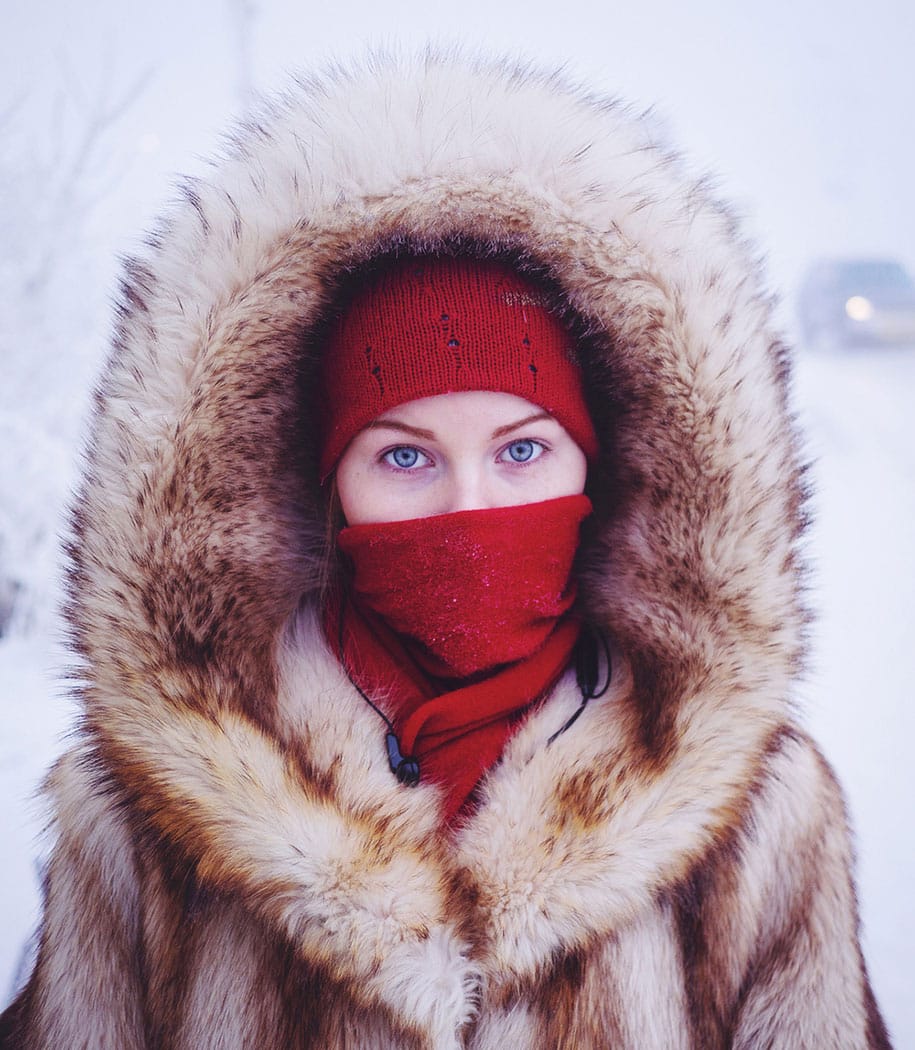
[(804, 109)]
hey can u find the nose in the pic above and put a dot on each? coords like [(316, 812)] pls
[(470, 488)]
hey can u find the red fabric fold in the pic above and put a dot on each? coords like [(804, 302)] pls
[(456, 734)]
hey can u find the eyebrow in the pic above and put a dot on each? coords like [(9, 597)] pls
[(429, 435), (392, 424), (536, 417)]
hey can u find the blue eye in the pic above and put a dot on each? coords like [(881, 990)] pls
[(405, 457), (522, 451)]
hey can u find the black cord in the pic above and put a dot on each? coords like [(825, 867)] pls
[(587, 673), (404, 767)]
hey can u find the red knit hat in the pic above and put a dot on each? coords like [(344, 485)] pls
[(429, 325)]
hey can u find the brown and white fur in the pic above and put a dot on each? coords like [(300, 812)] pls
[(235, 864)]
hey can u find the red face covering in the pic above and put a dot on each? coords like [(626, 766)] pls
[(477, 595), (472, 590)]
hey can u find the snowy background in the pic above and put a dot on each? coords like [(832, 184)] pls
[(804, 110)]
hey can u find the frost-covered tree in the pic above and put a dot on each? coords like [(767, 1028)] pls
[(56, 170)]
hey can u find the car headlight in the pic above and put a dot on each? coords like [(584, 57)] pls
[(859, 308)]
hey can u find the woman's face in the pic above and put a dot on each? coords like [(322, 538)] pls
[(462, 451)]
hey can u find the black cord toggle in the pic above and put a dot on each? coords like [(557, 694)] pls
[(405, 769)]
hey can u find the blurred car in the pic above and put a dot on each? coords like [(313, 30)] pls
[(857, 302)]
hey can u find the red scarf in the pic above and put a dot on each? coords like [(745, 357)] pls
[(455, 624)]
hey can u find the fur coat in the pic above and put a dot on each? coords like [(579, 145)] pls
[(235, 865)]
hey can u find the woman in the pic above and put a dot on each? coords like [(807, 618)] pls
[(317, 800), (456, 434)]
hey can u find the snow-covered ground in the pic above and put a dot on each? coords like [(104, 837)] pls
[(804, 110), (858, 407)]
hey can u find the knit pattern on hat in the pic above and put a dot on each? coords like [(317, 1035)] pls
[(425, 326)]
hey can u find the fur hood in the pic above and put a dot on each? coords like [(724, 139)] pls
[(216, 719), (200, 517)]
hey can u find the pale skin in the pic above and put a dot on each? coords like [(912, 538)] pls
[(462, 451)]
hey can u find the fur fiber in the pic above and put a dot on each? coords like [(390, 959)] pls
[(235, 865)]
